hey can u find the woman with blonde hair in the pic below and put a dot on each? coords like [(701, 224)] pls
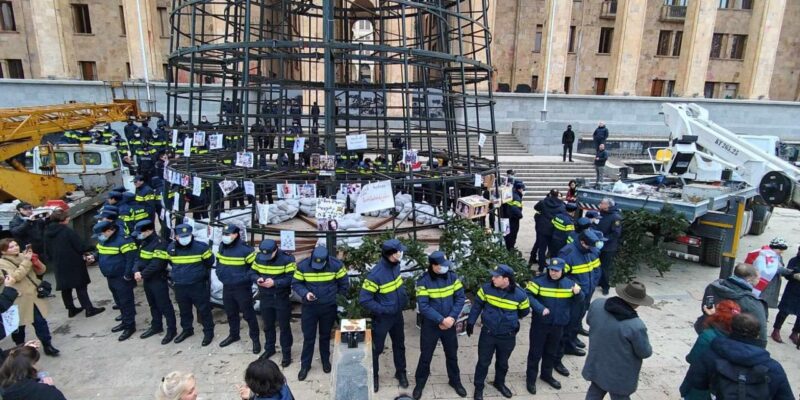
[(177, 385)]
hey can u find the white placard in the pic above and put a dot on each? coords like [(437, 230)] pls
[(478, 180), (263, 213), (286, 190), (287, 240), (357, 142), (215, 142), (374, 197), (174, 138), (409, 156), (197, 186), (505, 227), (329, 208), (176, 201), (244, 159), (481, 140), (299, 145), (168, 219), (187, 147), (11, 319), (307, 190), (228, 186), (200, 138), (249, 188)]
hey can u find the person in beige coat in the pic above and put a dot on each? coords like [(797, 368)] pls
[(32, 310)]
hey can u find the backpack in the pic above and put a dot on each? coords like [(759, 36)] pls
[(736, 382)]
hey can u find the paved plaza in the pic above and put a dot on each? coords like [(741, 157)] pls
[(94, 365)]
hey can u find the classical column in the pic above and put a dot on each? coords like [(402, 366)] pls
[(698, 31), (555, 51), (147, 13), (52, 35), (626, 47), (761, 48)]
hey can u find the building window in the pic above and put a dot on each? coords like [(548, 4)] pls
[(738, 43), (537, 41), (1, 71), (606, 36), (664, 39), (676, 45), (716, 45), (88, 70), (730, 90), (122, 27), (724, 3), (736, 4), (566, 84), (128, 70), (657, 88), (670, 88), (163, 21), (15, 70), (708, 90), (600, 85), (571, 47), (80, 18), (7, 22), (535, 83), (167, 74), (747, 4)]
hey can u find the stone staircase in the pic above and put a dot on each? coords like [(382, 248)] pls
[(507, 144)]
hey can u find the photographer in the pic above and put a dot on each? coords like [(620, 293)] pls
[(27, 227)]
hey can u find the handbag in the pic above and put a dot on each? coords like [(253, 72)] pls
[(43, 289)]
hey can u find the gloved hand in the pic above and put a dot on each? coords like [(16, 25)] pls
[(470, 329)]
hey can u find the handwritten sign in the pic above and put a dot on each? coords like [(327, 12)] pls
[(287, 240), (357, 142), (329, 208), (374, 197), (11, 318), (478, 180), (263, 213)]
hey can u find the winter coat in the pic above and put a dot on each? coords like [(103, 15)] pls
[(7, 297), (500, 309), (152, 259), (284, 394), (116, 256), (555, 295), (740, 292), (618, 343), (440, 296), (700, 347), (513, 209), (740, 352), (27, 232), (563, 225), (568, 137), (790, 302), (280, 269), (32, 389), (768, 259), (600, 135), (190, 264), (64, 248), (600, 158), (582, 263), (325, 283), (233, 263), (382, 292), (547, 209), (26, 283), (610, 226)]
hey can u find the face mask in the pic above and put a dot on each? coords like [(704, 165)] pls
[(443, 270), (102, 238), (183, 241), (141, 236), (399, 256), (227, 239), (599, 244), (137, 135)]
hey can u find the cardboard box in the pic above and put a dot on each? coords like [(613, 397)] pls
[(474, 206)]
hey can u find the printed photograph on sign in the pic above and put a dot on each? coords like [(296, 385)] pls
[(215, 142), (410, 157), (327, 225), (199, 138), (299, 145), (287, 190), (327, 164), (228, 186), (314, 162), (244, 159), (308, 190)]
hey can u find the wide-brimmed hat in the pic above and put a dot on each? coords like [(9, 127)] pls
[(634, 293)]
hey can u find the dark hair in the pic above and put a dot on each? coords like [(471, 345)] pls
[(4, 243), (745, 326), (18, 366), (264, 378), (59, 216)]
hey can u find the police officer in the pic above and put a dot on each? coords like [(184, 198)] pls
[(136, 141), (610, 226), (501, 303), (317, 280), (145, 196), (234, 259), (288, 145), (110, 213), (131, 211), (546, 210), (145, 130), (116, 257), (440, 297), (513, 211), (146, 159), (272, 271), (552, 296), (191, 262), (151, 268), (563, 224), (159, 139), (581, 224), (384, 295), (130, 129)]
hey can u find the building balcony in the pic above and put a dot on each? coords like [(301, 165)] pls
[(609, 9), (673, 13)]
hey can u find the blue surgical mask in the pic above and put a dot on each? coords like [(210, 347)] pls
[(183, 241), (227, 239), (141, 236), (599, 244), (443, 270), (102, 238)]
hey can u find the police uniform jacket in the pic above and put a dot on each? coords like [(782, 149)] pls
[(146, 197), (563, 225), (116, 256), (440, 296), (152, 260), (547, 208), (582, 263), (555, 295), (382, 291), (325, 283), (233, 262), (513, 209), (610, 226), (280, 269), (190, 264), (501, 309)]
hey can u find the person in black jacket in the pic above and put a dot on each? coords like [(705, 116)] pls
[(66, 250), (151, 268), (600, 135), (19, 380), (7, 296), (599, 163), (610, 226), (567, 139), (790, 303), (26, 228)]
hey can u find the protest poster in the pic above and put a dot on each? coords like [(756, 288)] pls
[(176, 201), (481, 140), (197, 186), (287, 240), (187, 147), (244, 159), (215, 142), (327, 224), (357, 142), (307, 190), (375, 196), (329, 208), (409, 157), (263, 213), (314, 162), (299, 145), (11, 319), (249, 188), (199, 138), (327, 164), (286, 190), (174, 138), (228, 186), (478, 180)]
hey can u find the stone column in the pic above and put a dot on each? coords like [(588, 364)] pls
[(626, 47), (761, 48), (52, 34), (152, 39), (558, 48), (698, 31)]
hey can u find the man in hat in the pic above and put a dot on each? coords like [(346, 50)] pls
[(234, 259), (317, 280), (272, 271), (563, 224), (610, 226), (552, 296), (384, 295), (440, 297), (27, 227), (191, 262), (501, 304), (513, 211), (545, 209), (116, 257), (618, 343), (145, 196), (151, 268)]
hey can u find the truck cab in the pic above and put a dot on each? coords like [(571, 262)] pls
[(90, 167)]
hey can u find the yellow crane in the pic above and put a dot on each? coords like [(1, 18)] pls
[(22, 129)]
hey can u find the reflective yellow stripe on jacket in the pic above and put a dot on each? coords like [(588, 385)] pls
[(586, 267), (112, 250), (236, 261), (383, 289), (560, 225), (515, 203), (191, 259), (274, 269), (557, 293), (319, 276), (439, 293), (503, 303)]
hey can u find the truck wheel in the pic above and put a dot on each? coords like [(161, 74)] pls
[(761, 216), (712, 252)]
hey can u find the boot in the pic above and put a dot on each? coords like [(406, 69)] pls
[(776, 335), (50, 350), (94, 311), (795, 338), (74, 311)]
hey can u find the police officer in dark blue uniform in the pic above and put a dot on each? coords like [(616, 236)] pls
[(272, 271), (513, 211), (501, 303), (116, 257), (610, 226), (151, 268), (145, 196), (384, 295), (440, 297), (191, 262), (552, 296), (563, 224), (317, 280), (546, 210), (581, 224), (233, 270)]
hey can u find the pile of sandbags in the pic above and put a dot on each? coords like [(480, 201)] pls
[(351, 222), (424, 213), (283, 210), (308, 206)]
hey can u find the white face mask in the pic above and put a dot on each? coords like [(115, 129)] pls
[(142, 236), (599, 244), (183, 241), (400, 256), (227, 239), (443, 270)]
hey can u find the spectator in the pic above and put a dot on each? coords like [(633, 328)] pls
[(32, 310), (599, 163), (27, 227), (739, 288), (177, 385), (66, 250), (770, 262), (572, 192), (315, 114), (790, 302), (717, 324), (600, 135), (7, 296), (737, 364), (264, 381), (20, 378), (618, 343), (567, 139)]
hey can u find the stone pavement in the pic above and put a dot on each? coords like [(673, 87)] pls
[(94, 365)]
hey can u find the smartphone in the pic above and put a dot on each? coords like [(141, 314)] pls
[(709, 302)]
